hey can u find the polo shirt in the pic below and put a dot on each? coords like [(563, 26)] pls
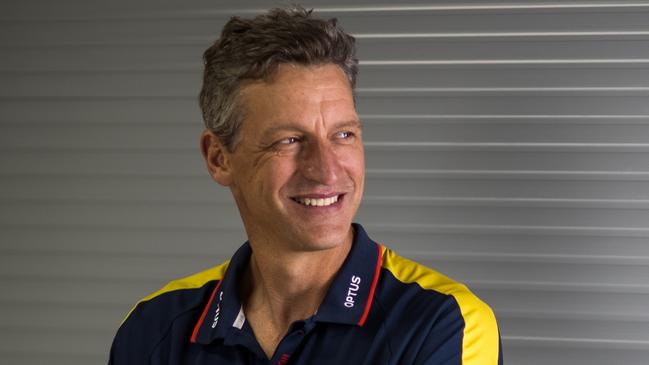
[(380, 309)]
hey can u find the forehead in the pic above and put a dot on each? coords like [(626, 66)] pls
[(295, 90)]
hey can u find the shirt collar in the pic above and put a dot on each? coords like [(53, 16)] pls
[(223, 310), (351, 293), (348, 300)]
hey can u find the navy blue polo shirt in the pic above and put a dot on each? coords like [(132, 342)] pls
[(380, 309)]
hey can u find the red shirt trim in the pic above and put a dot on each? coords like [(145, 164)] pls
[(370, 297), (207, 307)]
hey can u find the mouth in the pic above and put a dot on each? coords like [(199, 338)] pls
[(319, 201)]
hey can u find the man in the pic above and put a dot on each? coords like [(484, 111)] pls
[(309, 287)]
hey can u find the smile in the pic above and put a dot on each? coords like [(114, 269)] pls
[(318, 202)]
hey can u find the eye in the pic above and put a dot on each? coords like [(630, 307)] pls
[(288, 141), (345, 135)]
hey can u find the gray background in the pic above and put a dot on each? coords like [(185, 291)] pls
[(507, 146)]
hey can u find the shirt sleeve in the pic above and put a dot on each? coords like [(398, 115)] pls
[(131, 345), (464, 333)]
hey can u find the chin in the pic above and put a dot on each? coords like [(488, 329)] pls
[(325, 238)]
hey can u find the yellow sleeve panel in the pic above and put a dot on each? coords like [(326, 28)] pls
[(191, 282), (480, 344)]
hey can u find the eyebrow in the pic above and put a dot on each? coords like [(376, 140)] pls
[(296, 127), (350, 123)]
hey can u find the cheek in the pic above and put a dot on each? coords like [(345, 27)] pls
[(356, 157), (276, 173), (354, 163), (359, 174)]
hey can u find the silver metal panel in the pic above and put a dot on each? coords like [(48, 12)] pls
[(507, 146)]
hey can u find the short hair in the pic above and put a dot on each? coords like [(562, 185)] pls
[(252, 49)]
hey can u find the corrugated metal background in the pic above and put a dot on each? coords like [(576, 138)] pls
[(507, 146)]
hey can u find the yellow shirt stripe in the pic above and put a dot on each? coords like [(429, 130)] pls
[(480, 345), (191, 282)]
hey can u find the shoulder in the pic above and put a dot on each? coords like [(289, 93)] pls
[(174, 307), (195, 281), (452, 305)]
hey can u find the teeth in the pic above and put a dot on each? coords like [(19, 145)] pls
[(322, 202)]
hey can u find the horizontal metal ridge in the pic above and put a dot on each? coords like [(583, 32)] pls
[(123, 227), (560, 286), (511, 118), (506, 257), (62, 330), (538, 230), (568, 342), (205, 39), (378, 227), (197, 67), (506, 146), (101, 175), (640, 204), (501, 34), (512, 92), (586, 61), (193, 68), (570, 315), (391, 174), (589, 119), (39, 356), (189, 68), (202, 13), (69, 278), (509, 202), (4, 303), (379, 146), (95, 252), (374, 92), (432, 255), (77, 98), (213, 200), (509, 174), (77, 328), (420, 90), (106, 150), (484, 6)]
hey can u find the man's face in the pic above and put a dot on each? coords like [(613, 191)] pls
[(297, 171)]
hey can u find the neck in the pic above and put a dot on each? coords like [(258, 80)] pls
[(286, 287)]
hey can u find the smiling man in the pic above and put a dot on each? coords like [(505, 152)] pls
[(309, 286)]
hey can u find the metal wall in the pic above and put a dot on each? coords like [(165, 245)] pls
[(507, 146)]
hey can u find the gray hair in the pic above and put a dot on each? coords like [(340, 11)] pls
[(252, 49)]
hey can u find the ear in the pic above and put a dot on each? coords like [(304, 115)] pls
[(217, 158)]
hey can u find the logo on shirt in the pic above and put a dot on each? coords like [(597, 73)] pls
[(352, 292)]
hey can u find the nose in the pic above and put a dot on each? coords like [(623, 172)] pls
[(320, 164)]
